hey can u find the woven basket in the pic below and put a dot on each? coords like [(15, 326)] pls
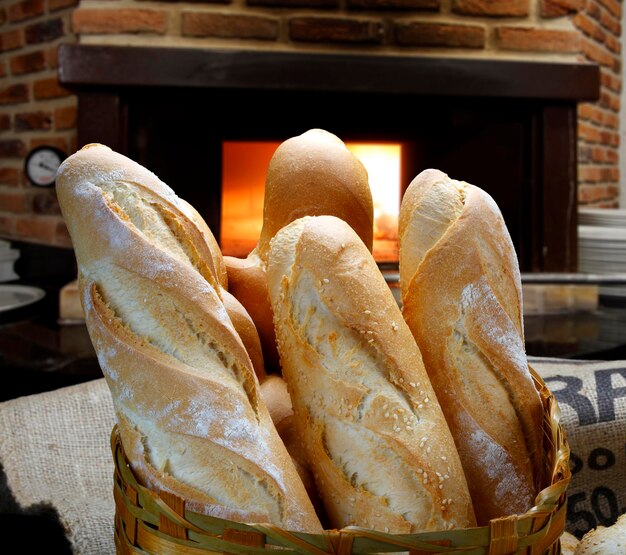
[(149, 522)]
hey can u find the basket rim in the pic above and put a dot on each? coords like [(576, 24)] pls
[(139, 508)]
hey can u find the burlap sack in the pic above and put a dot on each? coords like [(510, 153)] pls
[(55, 453), (592, 398)]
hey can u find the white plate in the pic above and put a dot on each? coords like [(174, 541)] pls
[(17, 296)]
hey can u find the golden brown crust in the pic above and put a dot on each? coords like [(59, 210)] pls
[(186, 396), (310, 174), (373, 432), (461, 297)]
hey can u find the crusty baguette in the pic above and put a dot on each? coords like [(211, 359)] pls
[(461, 297), (309, 175), (276, 396), (187, 401), (374, 434)]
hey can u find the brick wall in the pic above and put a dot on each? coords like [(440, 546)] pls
[(34, 109)]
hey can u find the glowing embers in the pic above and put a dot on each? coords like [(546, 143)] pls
[(244, 164)]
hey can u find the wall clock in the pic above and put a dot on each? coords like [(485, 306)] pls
[(41, 165)]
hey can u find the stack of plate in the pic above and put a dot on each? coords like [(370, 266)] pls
[(602, 245)]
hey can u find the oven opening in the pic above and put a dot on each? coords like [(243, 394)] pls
[(244, 164)]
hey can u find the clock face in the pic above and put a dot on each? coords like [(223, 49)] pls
[(42, 164)]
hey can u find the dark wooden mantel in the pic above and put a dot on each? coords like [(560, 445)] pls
[(119, 66), (215, 92)]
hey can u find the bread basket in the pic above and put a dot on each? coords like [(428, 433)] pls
[(150, 522)]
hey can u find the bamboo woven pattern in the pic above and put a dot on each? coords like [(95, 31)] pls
[(149, 522)]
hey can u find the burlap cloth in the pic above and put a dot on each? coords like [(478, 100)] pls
[(55, 449)]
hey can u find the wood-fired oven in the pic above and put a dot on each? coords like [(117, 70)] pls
[(509, 127)]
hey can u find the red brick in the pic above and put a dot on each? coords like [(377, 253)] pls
[(559, 8), (54, 5), (37, 228), (114, 21), (497, 8), (25, 10), (5, 122), (3, 68), (535, 39), (30, 121), (611, 120), (14, 94), (430, 5), (613, 44), (12, 40), (12, 148), (58, 142), (336, 30), (610, 81), (587, 111), (52, 57), (203, 24), (436, 34), (28, 63), (46, 202), (49, 88), (610, 101), (44, 31), (613, 6), (3, 15), (14, 201), (596, 53), (610, 23), (592, 9), (594, 193), (65, 118), (588, 132), (589, 27), (10, 176), (7, 225)]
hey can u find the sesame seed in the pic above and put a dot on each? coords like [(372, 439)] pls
[(412, 384), (426, 400), (361, 332), (428, 449), (401, 380), (444, 458), (367, 311), (443, 507), (421, 444), (440, 486), (326, 280), (370, 332), (370, 340), (420, 406), (395, 416), (409, 428), (387, 414), (386, 529)]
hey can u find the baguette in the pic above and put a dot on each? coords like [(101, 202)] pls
[(190, 416), (310, 174), (461, 297), (380, 449)]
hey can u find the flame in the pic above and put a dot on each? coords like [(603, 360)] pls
[(244, 164)]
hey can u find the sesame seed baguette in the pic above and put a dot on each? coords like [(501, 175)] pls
[(461, 297), (187, 401), (372, 429), (309, 175)]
